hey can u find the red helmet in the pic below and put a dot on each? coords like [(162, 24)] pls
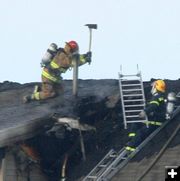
[(73, 45)]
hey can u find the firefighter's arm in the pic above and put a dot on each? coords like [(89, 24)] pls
[(152, 106), (85, 58), (61, 62)]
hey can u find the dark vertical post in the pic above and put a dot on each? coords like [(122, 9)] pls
[(75, 76)]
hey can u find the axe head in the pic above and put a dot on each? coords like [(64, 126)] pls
[(91, 26)]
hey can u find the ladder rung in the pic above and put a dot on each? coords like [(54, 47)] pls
[(124, 158), (133, 116), (113, 168), (138, 110), (128, 85), (103, 166), (125, 80), (132, 75), (113, 156), (131, 95), (129, 90), (134, 105), (137, 121), (134, 100), (93, 177)]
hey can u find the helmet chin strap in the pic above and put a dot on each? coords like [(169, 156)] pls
[(75, 52), (153, 90)]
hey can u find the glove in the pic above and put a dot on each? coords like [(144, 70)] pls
[(42, 64), (87, 56), (142, 114)]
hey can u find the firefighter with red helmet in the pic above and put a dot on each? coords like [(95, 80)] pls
[(155, 111), (55, 62)]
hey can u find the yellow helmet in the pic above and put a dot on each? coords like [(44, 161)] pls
[(159, 85)]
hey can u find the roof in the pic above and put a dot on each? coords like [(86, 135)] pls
[(25, 120), (19, 121)]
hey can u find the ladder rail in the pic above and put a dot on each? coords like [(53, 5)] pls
[(119, 158), (90, 175), (122, 101), (144, 98)]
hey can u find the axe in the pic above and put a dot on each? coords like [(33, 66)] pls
[(91, 26), (75, 68)]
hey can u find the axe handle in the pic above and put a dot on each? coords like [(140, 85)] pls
[(90, 38)]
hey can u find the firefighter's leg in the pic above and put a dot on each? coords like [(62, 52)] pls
[(148, 131), (135, 135), (59, 88), (47, 91), (140, 136), (133, 128)]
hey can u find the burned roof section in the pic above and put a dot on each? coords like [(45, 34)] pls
[(98, 104)]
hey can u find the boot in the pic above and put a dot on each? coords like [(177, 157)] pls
[(129, 150), (27, 99)]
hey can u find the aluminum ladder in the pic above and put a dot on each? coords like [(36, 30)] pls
[(132, 97), (110, 161), (116, 160)]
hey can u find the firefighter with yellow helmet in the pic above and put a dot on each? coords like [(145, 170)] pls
[(55, 62), (155, 110)]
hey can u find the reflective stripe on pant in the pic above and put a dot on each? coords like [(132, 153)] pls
[(131, 134), (50, 77), (129, 148), (47, 91), (36, 95), (156, 123), (141, 134)]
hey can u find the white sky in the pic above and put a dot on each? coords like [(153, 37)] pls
[(130, 32)]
